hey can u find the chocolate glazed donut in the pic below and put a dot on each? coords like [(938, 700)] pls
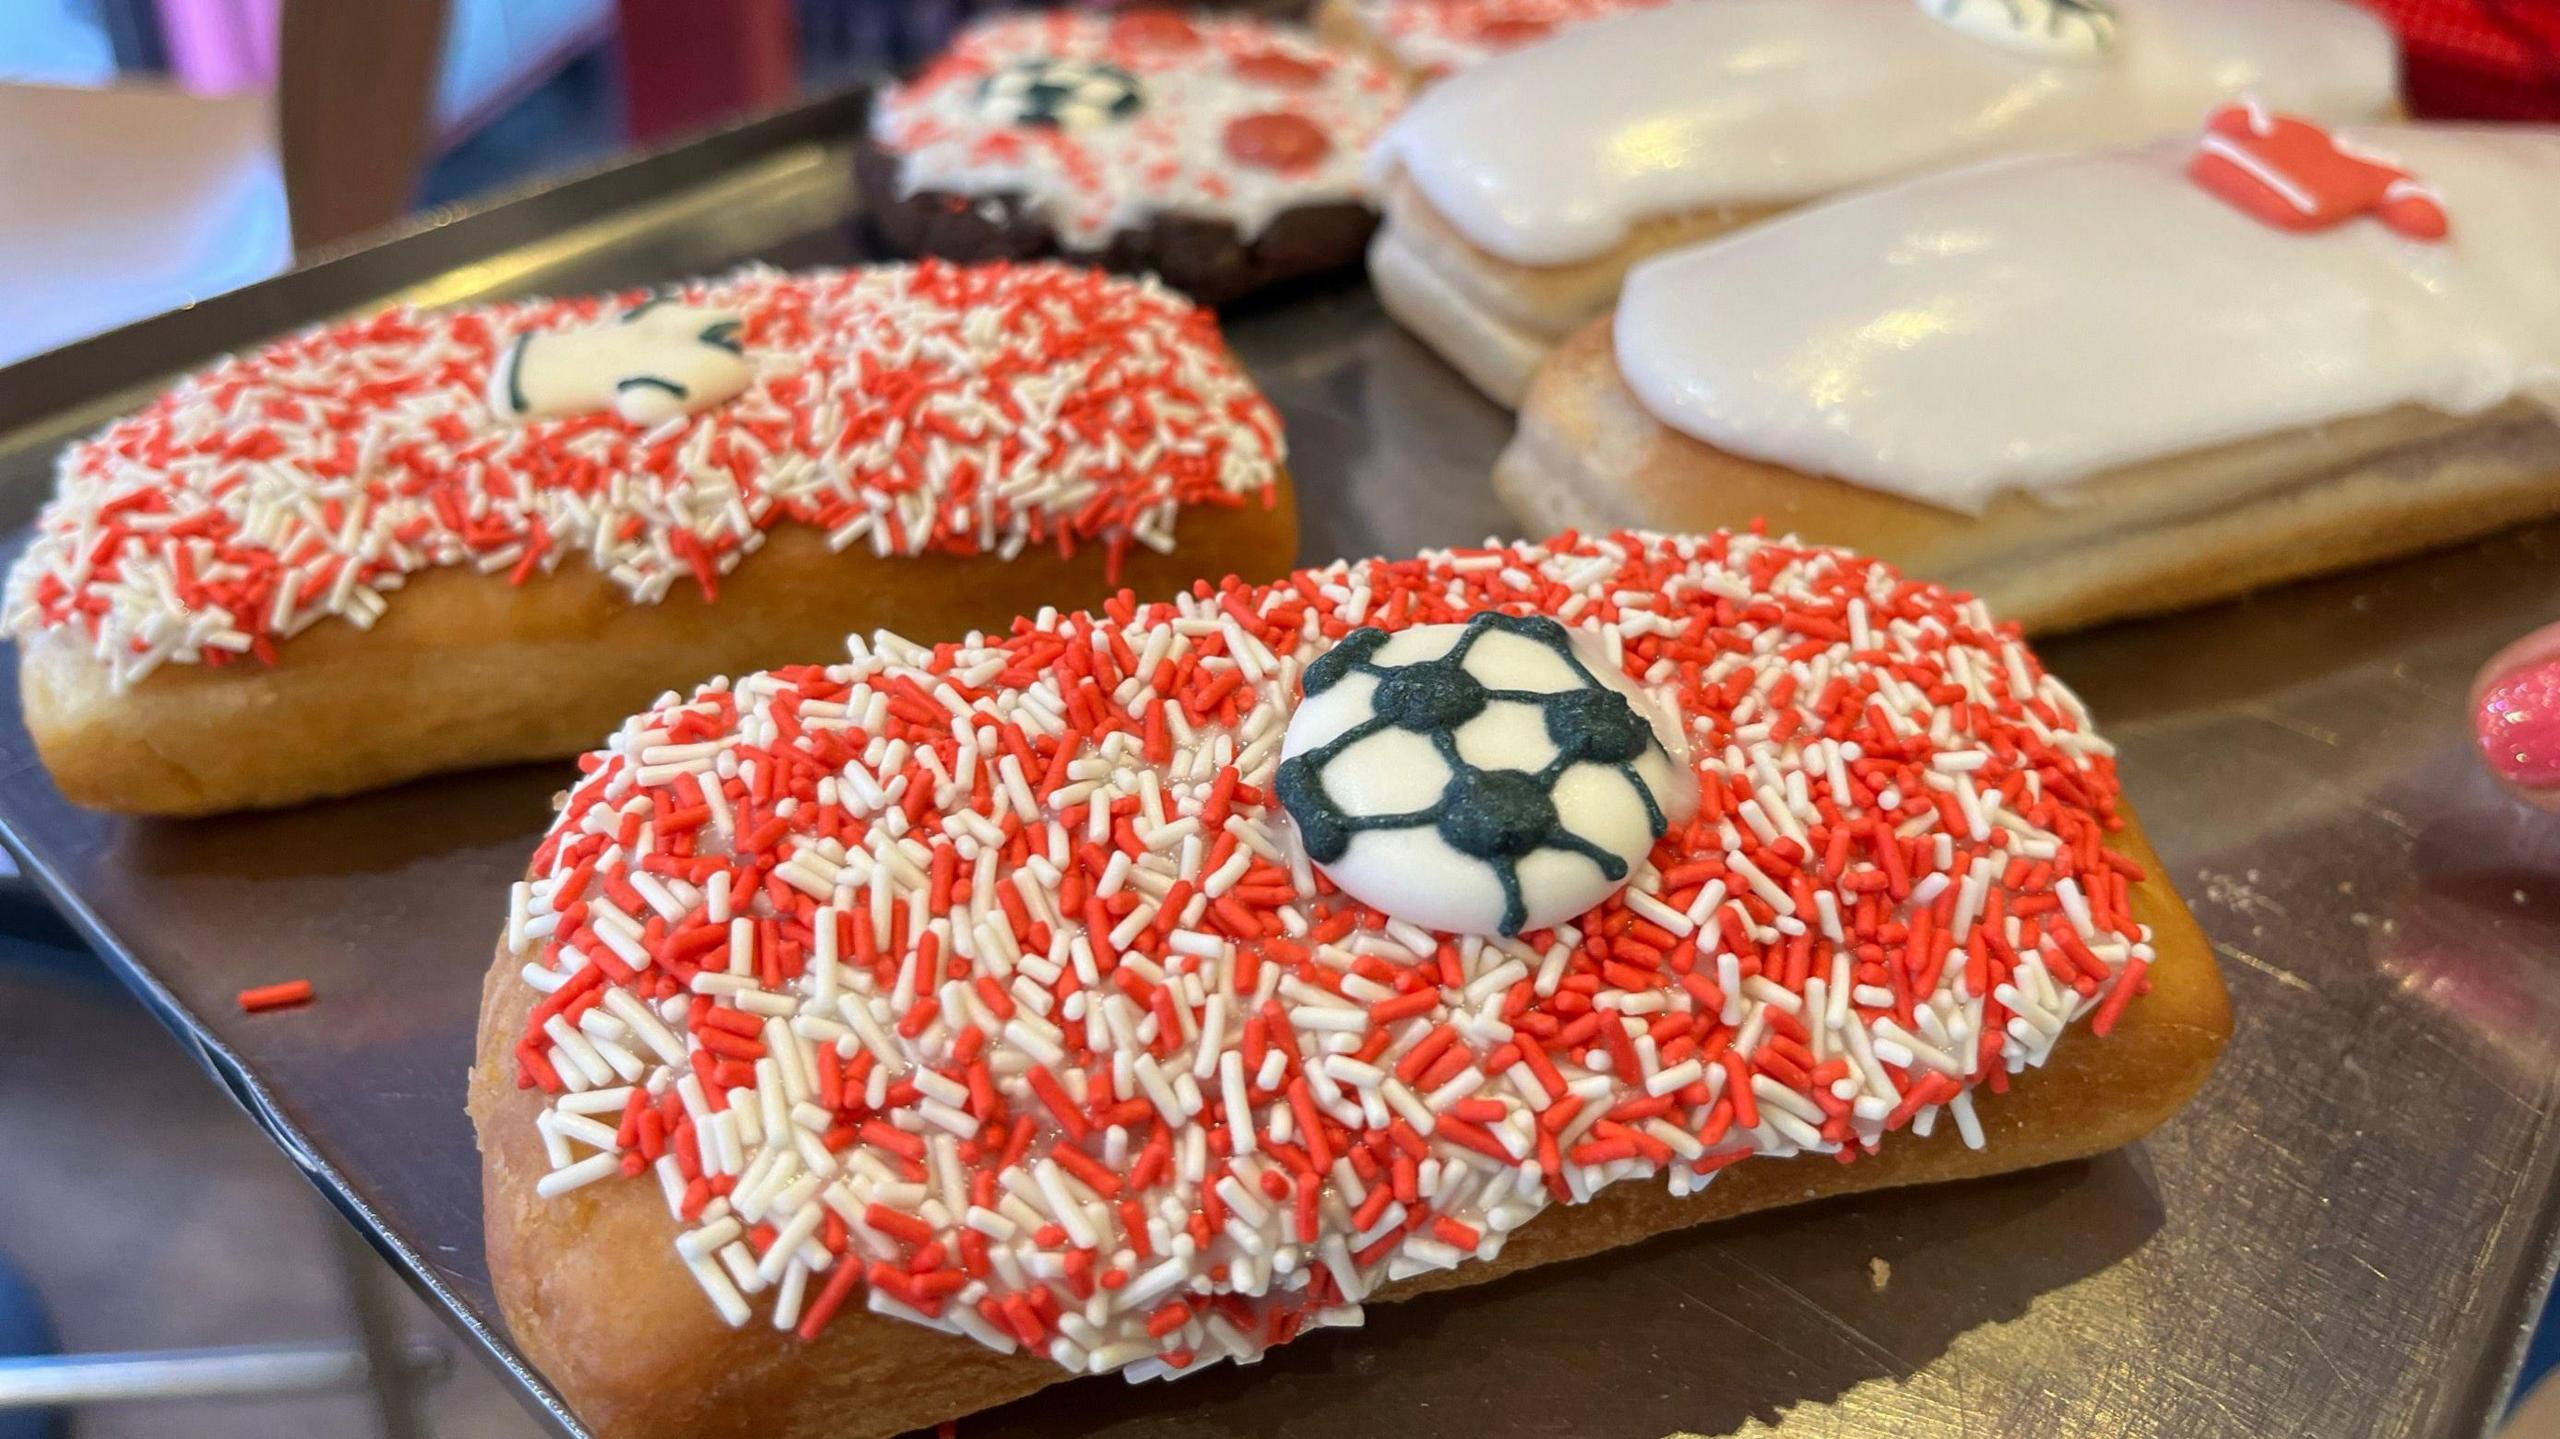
[(1209, 260), (1218, 154)]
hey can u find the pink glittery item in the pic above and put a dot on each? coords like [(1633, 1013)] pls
[(2518, 725)]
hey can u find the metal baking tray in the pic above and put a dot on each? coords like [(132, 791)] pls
[(2349, 1232)]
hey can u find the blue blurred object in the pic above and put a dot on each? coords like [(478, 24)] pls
[(25, 1331), (31, 936), (2542, 1354)]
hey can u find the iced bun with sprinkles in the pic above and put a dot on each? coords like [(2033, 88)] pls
[(1039, 989), (763, 443), (1224, 154)]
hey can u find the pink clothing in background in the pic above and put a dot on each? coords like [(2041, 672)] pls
[(494, 50), (221, 47)]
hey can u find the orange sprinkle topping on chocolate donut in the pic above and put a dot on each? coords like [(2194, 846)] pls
[(1280, 68), (1161, 29), (1276, 140), (1096, 126), (1510, 30)]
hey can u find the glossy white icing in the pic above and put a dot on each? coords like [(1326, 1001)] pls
[(648, 366), (2083, 30), (2028, 323), (1550, 154), (1482, 778)]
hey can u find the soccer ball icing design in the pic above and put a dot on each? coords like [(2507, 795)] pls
[(1100, 124), (655, 362), (2046, 29), (1062, 94), (1482, 778)]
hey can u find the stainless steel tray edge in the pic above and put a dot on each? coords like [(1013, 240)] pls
[(2222, 717)]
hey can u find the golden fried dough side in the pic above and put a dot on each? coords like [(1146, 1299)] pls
[(1494, 319), (465, 669)]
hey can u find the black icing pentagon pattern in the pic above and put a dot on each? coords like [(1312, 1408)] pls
[(1497, 816)]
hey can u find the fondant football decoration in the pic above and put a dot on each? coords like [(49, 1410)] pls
[(1484, 778), (2047, 29), (1060, 94), (653, 363)]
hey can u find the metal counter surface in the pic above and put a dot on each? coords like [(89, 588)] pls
[(2347, 1234)]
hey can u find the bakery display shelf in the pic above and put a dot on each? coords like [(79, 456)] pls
[(2347, 1234)]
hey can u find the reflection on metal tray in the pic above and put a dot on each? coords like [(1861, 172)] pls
[(2345, 1235)]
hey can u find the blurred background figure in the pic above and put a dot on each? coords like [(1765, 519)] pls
[(153, 152)]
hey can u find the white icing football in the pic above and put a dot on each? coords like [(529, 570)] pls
[(652, 363), (2072, 30), (1482, 778), (1066, 94)]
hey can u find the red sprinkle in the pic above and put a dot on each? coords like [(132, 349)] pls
[(1276, 140), (286, 995)]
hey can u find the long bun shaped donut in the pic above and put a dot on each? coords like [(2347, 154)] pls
[(1134, 990), (414, 542)]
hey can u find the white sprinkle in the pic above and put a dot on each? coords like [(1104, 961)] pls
[(586, 1171)]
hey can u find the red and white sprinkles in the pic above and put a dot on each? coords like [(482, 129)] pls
[(1233, 119), (1435, 38), (965, 409), (987, 983)]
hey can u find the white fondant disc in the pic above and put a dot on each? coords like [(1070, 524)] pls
[(1493, 791)]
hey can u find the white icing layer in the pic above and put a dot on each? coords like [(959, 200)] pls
[(2028, 323), (1551, 154)]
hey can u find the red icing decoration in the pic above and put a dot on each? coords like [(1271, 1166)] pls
[(2288, 172), (1510, 30), (1160, 28), (1274, 67), (1276, 140)]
